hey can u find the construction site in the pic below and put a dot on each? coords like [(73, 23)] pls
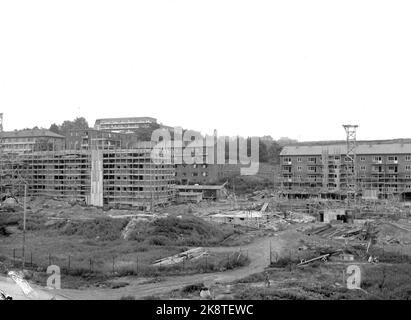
[(118, 227)]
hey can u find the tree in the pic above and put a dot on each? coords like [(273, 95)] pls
[(43, 144), (283, 141), (54, 128), (262, 152), (77, 124), (274, 151)]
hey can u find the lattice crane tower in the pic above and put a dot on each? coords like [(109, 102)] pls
[(351, 157)]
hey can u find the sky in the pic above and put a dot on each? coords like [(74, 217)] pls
[(298, 69)]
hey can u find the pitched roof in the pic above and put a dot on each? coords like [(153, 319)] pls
[(30, 133), (362, 149)]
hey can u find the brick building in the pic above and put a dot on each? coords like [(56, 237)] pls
[(84, 139), (382, 168), (20, 141)]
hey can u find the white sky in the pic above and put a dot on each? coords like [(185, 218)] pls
[(282, 68)]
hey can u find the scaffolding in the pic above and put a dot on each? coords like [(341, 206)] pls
[(113, 178)]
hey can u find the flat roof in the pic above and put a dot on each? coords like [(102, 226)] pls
[(362, 149), (126, 119)]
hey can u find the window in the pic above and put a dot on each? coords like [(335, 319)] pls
[(392, 158), (407, 158), (407, 168), (311, 168), (362, 159), (287, 160), (299, 159), (311, 159), (407, 176), (299, 168), (363, 168), (377, 159)]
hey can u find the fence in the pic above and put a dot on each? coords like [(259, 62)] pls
[(70, 265)]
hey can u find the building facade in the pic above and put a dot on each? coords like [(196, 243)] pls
[(125, 125), (111, 178), (87, 139), (382, 169), (20, 141), (200, 164)]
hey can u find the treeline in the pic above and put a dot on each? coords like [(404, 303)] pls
[(268, 149), (67, 125)]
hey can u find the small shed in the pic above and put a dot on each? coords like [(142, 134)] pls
[(189, 197), (336, 214)]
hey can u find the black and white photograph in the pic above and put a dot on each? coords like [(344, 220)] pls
[(205, 157)]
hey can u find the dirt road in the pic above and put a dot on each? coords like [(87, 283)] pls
[(258, 252)]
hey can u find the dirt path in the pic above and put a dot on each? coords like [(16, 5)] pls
[(258, 252), (13, 290)]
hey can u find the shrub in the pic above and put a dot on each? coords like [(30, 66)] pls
[(100, 228), (185, 231), (192, 288), (158, 240), (4, 231)]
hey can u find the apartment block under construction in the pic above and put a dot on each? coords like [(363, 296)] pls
[(110, 178), (382, 169)]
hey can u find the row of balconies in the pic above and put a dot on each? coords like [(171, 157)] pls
[(360, 159)]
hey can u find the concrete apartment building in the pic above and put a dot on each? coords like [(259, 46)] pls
[(202, 167), (20, 141), (204, 173), (382, 169), (85, 139), (125, 125), (110, 178)]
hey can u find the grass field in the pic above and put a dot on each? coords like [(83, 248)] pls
[(94, 250)]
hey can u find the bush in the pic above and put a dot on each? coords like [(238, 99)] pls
[(191, 288), (4, 231), (9, 219), (100, 228), (186, 231), (158, 241), (284, 262)]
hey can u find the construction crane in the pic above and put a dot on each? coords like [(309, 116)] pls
[(351, 163)]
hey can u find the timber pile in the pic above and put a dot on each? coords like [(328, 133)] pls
[(191, 254), (338, 232)]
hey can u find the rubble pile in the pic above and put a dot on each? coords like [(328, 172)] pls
[(191, 254)]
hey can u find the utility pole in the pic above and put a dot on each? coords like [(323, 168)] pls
[(24, 226)]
